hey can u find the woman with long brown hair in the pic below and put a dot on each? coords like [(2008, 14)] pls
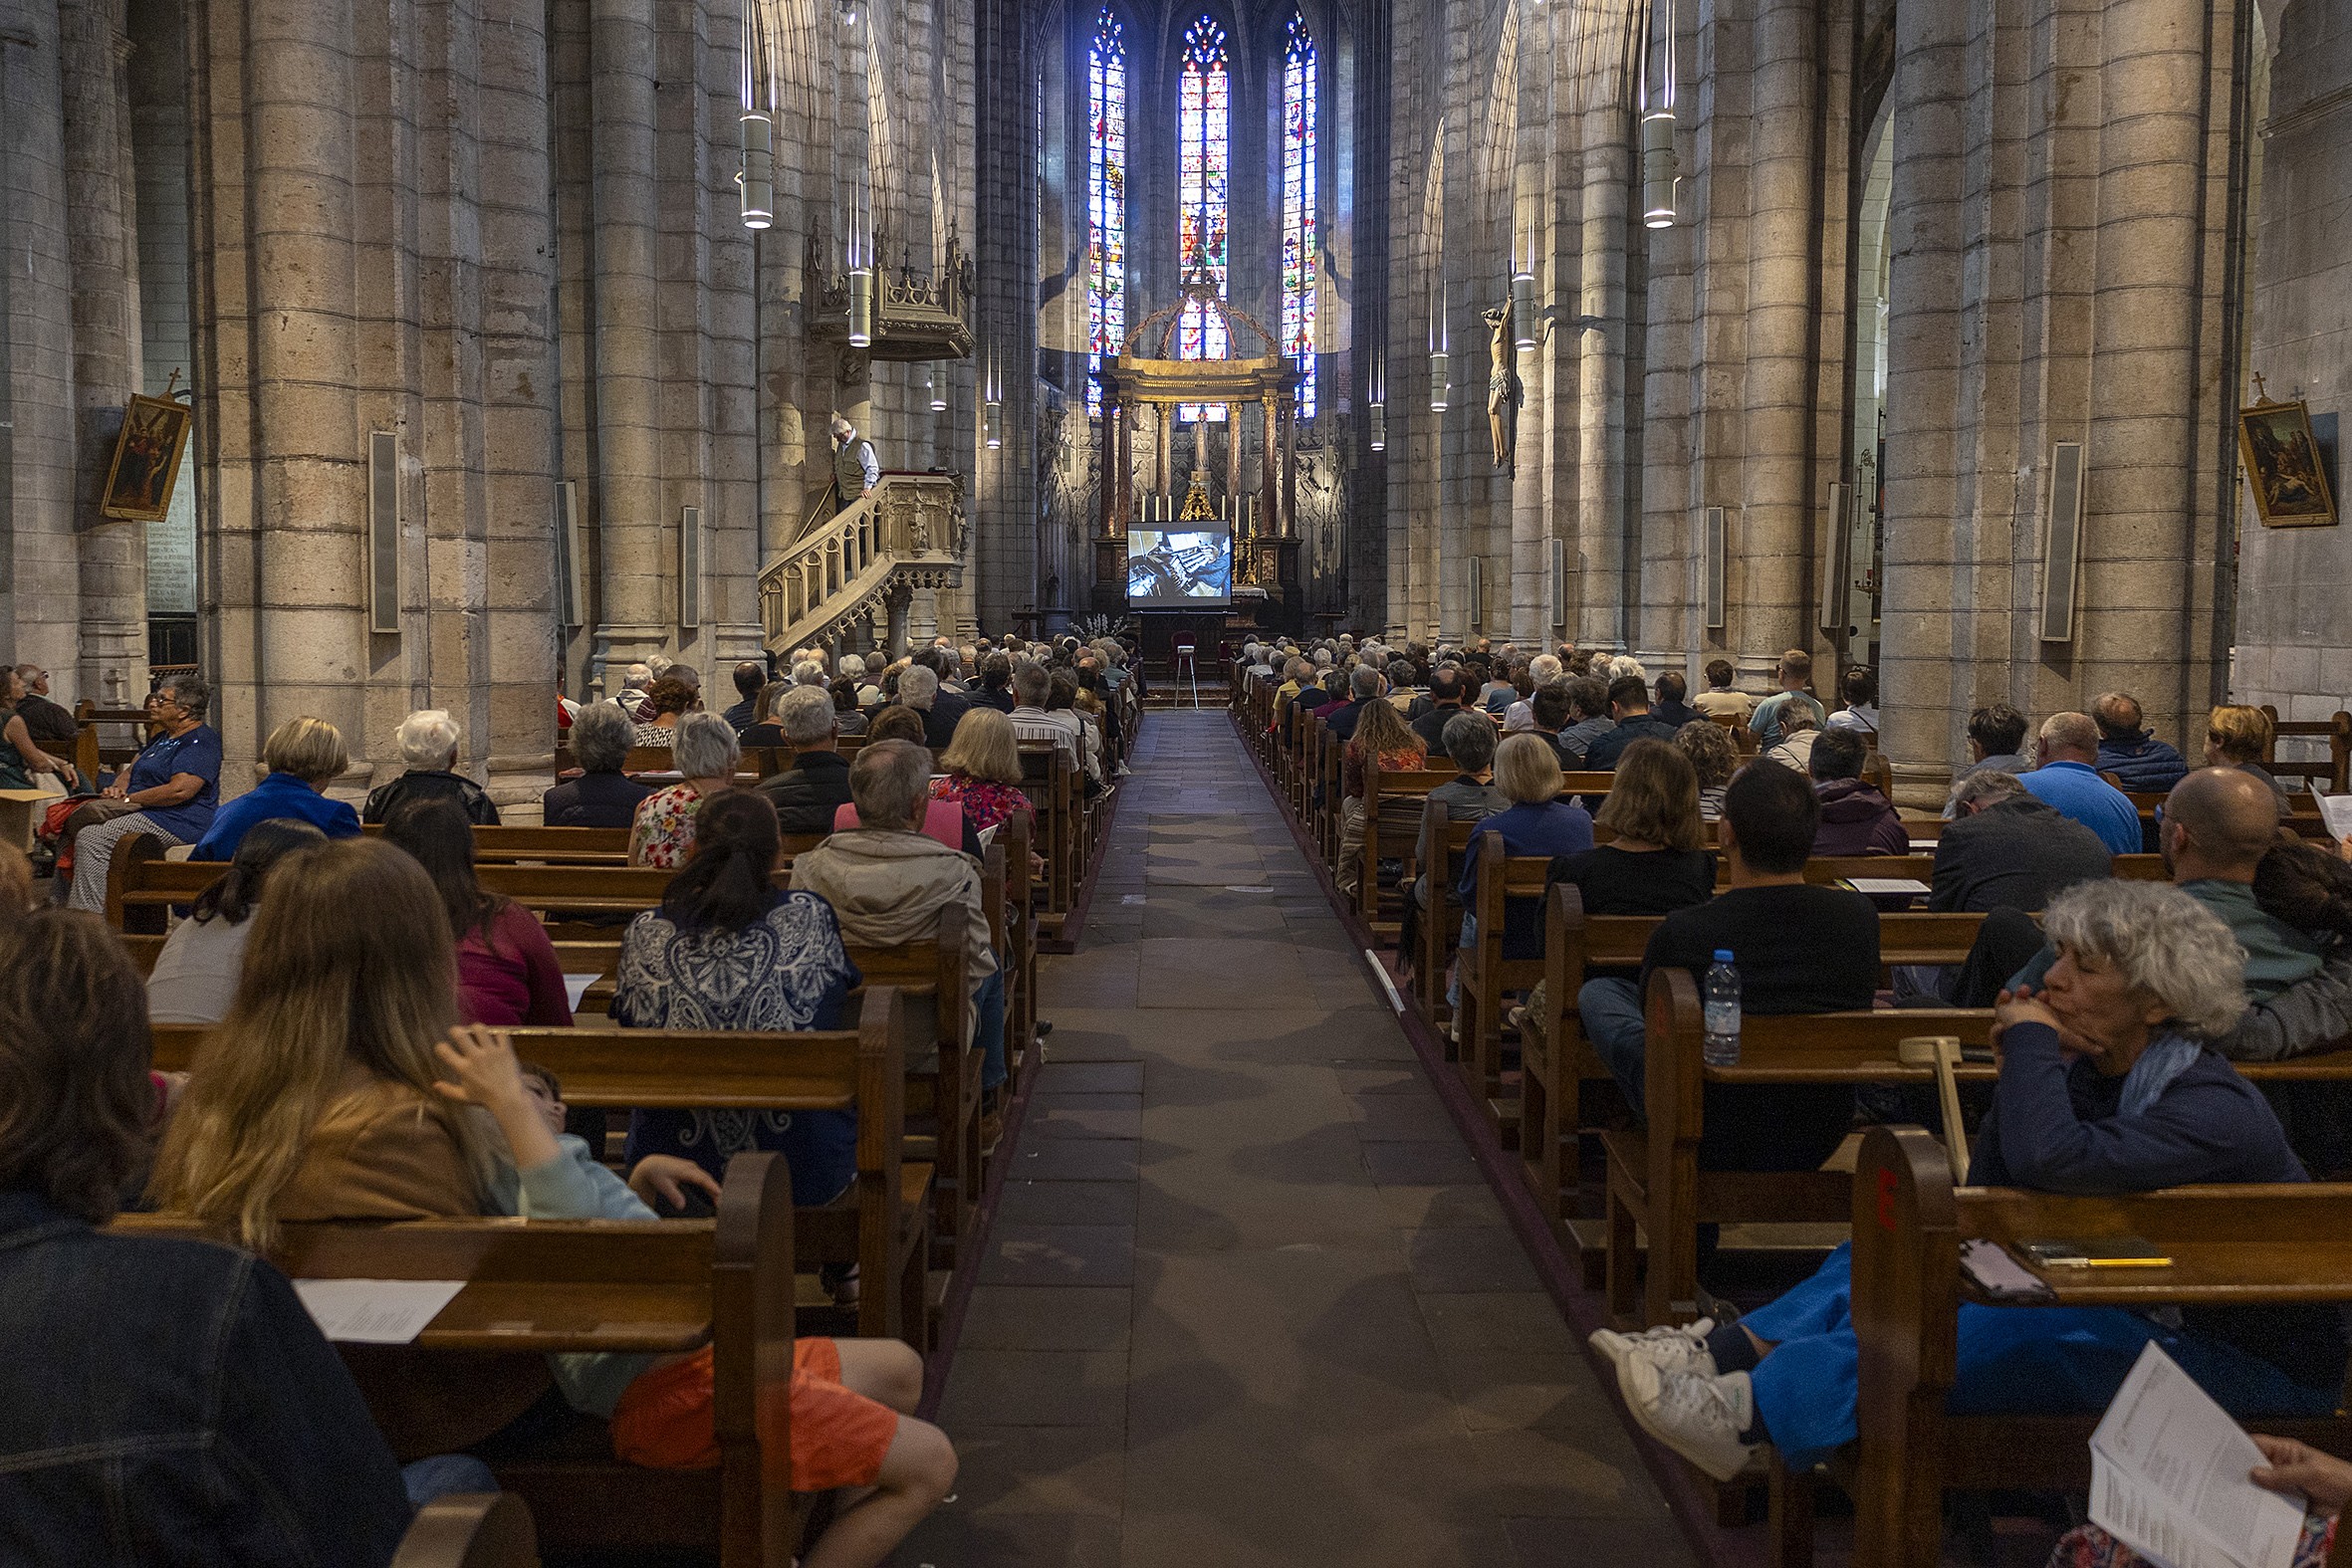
[(1382, 739)]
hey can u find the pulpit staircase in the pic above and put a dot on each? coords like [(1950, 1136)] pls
[(861, 565)]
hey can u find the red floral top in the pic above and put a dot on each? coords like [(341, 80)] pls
[(1352, 782), (986, 803)]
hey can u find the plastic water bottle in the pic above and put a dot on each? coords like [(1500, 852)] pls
[(1721, 993)]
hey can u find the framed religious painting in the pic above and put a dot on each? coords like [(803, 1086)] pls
[(2283, 467), (146, 460)]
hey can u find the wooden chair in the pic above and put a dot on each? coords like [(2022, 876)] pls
[(2335, 729), (658, 1287), (2229, 1246), (470, 1531)]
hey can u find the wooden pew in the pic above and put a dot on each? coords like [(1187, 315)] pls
[(142, 885), (1485, 974), (1437, 856), (1052, 783), (883, 1227), (1392, 818), (2229, 1246), (1654, 1178), (113, 754), (470, 1531), (1564, 1085), (2334, 773), (660, 1287), (576, 846)]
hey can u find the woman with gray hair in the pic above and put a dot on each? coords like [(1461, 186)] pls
[(170, 789), (602, 796), (706, 753), (428, 740), (2107, 1086)]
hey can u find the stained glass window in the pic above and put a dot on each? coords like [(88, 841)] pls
[(1299, 226), (1202, 124), (1107, 200)]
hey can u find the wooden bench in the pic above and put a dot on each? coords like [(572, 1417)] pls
[(1565, 1089), (1393, 803), (1437, 859), (1052, 783), (883, 1227), (2336, 729), (1484, 972), (113, 754), (622, 1286), (571, 847), (2229, 1246), (1654, 1177)]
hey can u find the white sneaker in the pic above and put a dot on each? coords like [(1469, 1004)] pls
[(1667, 1348), (1698, 1417)]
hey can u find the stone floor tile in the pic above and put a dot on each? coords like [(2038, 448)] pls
[(1047, 1317), (1058, 1254), (1027, 1201), (1037, 1387)]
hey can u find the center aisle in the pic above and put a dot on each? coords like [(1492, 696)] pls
[(1246, 1300)]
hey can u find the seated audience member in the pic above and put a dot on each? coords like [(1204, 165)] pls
[(16, 884), (21, 754), (196, 976), (1860, 713), (303, 757), (982, 770), (2307, 889), (1631, 720), (1798, 732), (1061, 696), (1714, 758), (1538, 821), (996, 683), (894, 723), (1469, 747), (51, 725), (669, 701), (2107, 1086), (1499, 692), (635, 682), (602, 796), (762, 730), (807, 672), (707, 755), (1549, 712), (1542, 670), (918, 692), (428, 745), (1449, 690), (1364, 687), (751, 676), (1032, 687), (2239, 736), (507, 970), (1587, 719), (1670, 708), (2128, 750), (729, 950), (948, 704), (1718, 700), (1656, 860), (1997, 740), (1798, 948), (847, 719), (2320, 1482), (806, 794), (346, 1090), (167, 1401), (855, 671), (1382, 741), (2067, 778), (2008, 850), (888, 880), (170, 789), (1795, 673), (1855, 818)]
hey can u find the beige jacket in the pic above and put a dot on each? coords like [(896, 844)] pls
[(888, 888)]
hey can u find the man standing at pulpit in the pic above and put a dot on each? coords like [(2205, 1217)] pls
[(855, 472)]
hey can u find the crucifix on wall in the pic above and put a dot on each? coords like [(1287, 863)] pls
[(1503, 384)]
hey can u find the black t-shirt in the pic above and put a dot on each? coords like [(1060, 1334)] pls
[(1620, 882), (1431, 727), (1798, 948)]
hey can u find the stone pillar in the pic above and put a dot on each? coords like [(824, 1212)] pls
[(626, 238), (100, 215), (1605, 162)]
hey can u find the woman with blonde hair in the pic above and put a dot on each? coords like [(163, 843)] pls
[(304, 756), (1536, 823), (983, 762), (2237, 736)]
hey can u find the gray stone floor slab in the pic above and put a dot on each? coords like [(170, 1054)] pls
[(1246, 1299)]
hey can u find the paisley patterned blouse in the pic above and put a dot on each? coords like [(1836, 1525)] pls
[(786, 970)]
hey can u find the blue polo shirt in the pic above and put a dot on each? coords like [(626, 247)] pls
[(279, 795), (2076, 790), (198, 753)]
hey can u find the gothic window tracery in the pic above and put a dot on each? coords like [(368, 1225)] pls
[(1299, 236), (1204, 154), (1107, 200)]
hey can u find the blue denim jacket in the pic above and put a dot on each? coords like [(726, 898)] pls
[(169, 1404)]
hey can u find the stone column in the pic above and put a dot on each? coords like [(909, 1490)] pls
[(1601, 524), (626, 239), (100, 220)]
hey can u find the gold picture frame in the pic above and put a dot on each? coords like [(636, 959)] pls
[(146, 468), (2283, 469)]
